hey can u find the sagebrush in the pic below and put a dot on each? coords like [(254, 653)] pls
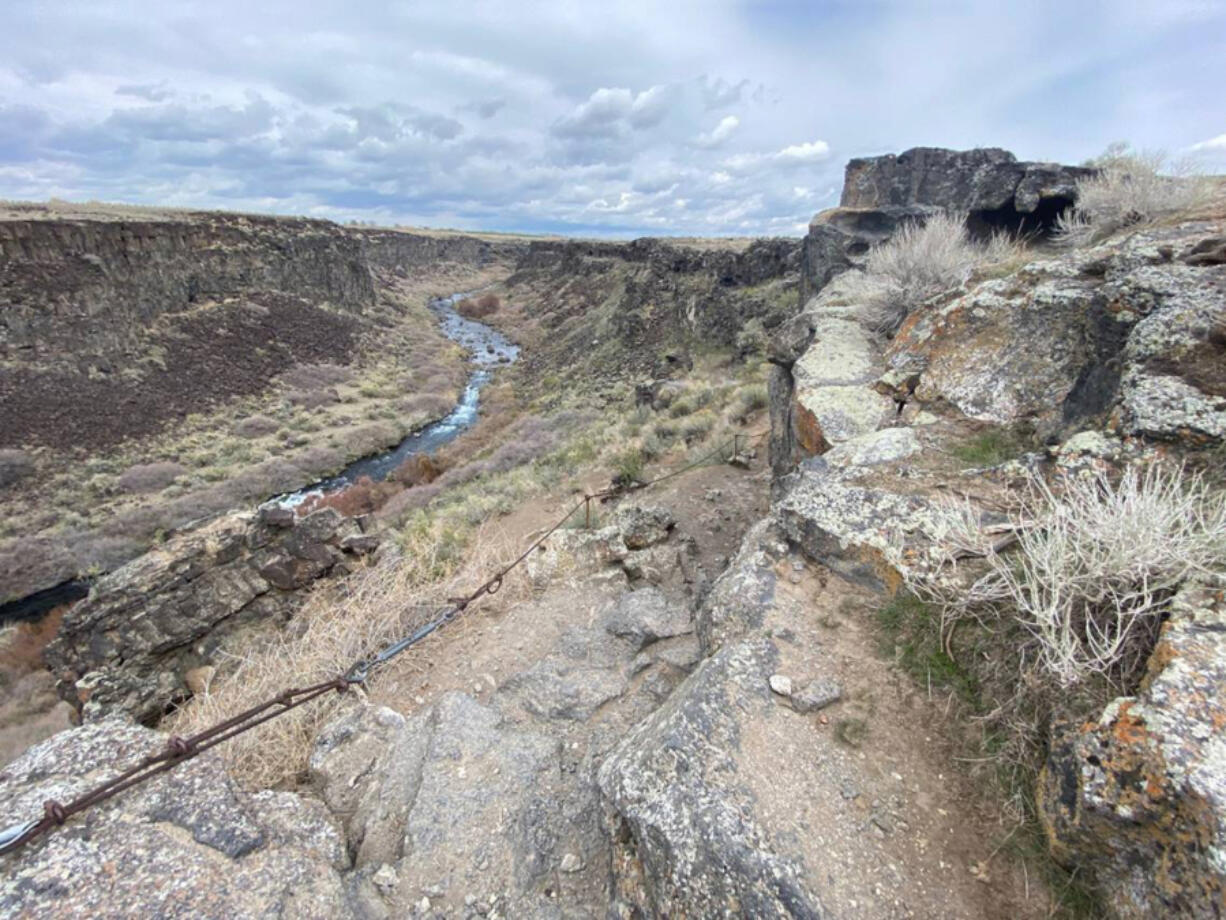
[(1094, 565), (919, 262), (1130, 187)]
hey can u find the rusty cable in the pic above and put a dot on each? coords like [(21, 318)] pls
[(178, 750)]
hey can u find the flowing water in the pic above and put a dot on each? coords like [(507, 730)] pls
[(487, 349)]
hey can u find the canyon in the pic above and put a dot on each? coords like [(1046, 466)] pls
[(721, 691)]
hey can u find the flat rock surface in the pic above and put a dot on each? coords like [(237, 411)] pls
[(187, 844)]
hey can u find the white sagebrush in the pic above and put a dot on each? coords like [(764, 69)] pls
[(919, 262), (1130, 187), (1094, 565)]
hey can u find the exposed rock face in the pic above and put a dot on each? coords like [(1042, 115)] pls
[(881, 193), (407, 807), (618, 307), (1137, 799), (89, 287), (690, 827), (127, 647), (188, 844), (1125, 332)]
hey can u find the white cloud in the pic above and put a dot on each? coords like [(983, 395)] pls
[(725, 129), (523, 116), (1214, 143), (807, 153)]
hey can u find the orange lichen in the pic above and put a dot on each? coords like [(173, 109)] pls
[(808, 431)]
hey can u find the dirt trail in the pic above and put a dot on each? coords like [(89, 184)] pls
[(865, 794)]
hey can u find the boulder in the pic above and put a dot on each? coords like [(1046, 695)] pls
[(446, 800), (125, 647), (643, 526), (862, 533), (1136, 800), (683, 819), (888, 445), (645, 616), (185, 843), (737, 601)]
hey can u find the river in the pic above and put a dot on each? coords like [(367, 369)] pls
[(487, 349)]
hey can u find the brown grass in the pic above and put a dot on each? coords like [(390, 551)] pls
[(476, 308), (378, 605), (21, 647)]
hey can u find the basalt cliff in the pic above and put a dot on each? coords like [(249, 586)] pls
[(725, 694)]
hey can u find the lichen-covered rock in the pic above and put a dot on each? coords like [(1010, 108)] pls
[(858, 532), (1011, 348), (645, 616), (186, 843), (744, 590), (1136, 800), (689, 826), (885, 446), (643, 526), (1174, 384)]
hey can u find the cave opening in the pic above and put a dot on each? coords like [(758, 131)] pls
[(1038, 224)]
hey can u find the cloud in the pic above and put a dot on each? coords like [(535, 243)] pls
[(485, 108), (617, 119), (791, 156), (151, 92), (1213, 143), (725, 129)]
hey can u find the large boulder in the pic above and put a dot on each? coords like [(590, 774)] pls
[(990, 185), (1136, 800), (186, 843)]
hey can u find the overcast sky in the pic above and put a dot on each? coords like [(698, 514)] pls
[(619, 117)]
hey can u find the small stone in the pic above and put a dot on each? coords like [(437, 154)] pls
[(470, 900), (816, 694), (198, 679), (571, 863), (385, 878), (423, 905), (781, 684)]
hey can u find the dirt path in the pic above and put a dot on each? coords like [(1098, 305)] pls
[(865, 794)]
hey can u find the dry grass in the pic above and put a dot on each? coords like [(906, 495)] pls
[(21, 645), (919, 262), (1094, 567), (1131, 187), (338, 627)]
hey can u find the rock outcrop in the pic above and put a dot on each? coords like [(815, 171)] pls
[(990, 185), (1137, 798), (190, 844), (130, 644)]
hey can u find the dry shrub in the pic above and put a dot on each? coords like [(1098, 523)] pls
[(256, 426), (919, 262), (478, 307), (14, 465), (21, 646), (380, 604), (316, 376), (432, 405), (149, 477), (1129, 188), (363, 497), (400, 504), (312, 399), (318, 460), (1094, 568), (416, 470)]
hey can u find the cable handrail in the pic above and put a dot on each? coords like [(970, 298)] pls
[(179, 749)]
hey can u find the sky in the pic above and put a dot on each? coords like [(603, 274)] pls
[(618, 118)]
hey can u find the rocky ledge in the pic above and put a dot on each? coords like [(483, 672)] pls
[(148, 634)]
